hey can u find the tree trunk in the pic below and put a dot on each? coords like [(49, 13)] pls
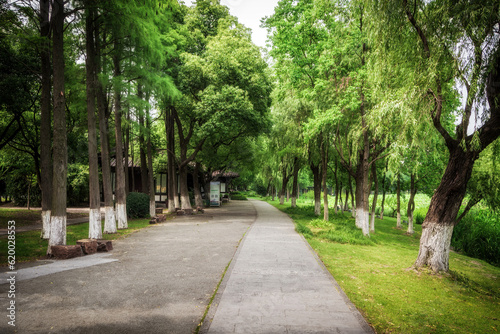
[(284, 183), (362, 193), (121, 200), (102, 106), (398, 203), (126, 148), (142, 145), (60, 148), (198, 200), (45, 121), (374, 203), (336, 188), (383, 194), (295, 189), (353, 207), (317, 188), (151, 179), (411, 204), (346, 204), (324, 172), (171, 175), (185, 201), (95, 230), (438, 225), (341, 201)]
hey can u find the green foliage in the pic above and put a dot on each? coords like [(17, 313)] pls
[(238, 196), (478, 235), (301, 228), (17, 188), (78, 183), (137, 205), (418, 217)]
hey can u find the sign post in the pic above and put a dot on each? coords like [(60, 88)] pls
[(215, 193)]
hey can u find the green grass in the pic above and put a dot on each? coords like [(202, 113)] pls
[(394, 298), (30, 247)]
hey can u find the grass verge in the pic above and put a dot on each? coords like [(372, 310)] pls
[(376, 277), (30, 247)]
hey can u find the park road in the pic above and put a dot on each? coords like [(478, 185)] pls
[(161, 279), (157, 280), (277, 284)]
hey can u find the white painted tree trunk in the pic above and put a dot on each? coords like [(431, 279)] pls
[(410, 224), (435, 246), (366, 223), (121, 216), (176, 200), (109, 220), (359, 217), (57, 232), (362, 220), (95, 231), (398, 220), (46, 225), (152, 208), (185, 202)]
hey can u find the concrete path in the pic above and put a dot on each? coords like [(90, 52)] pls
[(277, 285), (160, 280)]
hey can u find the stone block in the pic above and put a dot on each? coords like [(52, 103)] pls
[(89, 246), (63, 252), (104, 245)]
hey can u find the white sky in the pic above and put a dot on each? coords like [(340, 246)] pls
[(249, 13)]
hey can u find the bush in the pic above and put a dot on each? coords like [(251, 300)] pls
[(478, 235), (137, 205), (17, 187), (238, 197), (301, 228)]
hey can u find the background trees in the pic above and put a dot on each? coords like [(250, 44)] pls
[(363, 92)]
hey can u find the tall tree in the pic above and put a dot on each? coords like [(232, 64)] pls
[(45, 123), (104, 114), (59, 153), (121, 200), (445, 42), (95, 230)]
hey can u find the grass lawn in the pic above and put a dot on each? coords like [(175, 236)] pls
[(376, 276), (30, 247)]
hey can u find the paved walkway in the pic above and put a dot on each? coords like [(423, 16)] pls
[(161, 279), (278, 285)]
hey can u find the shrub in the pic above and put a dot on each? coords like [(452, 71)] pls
[(137, 205), (17, 187), (238, 197), (301, 228), (478, 235)]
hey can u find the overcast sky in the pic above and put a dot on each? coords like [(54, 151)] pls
[(249, 13)]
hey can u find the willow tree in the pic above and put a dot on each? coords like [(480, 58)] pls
[(440, 44), (327, 46), (297, 45)]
